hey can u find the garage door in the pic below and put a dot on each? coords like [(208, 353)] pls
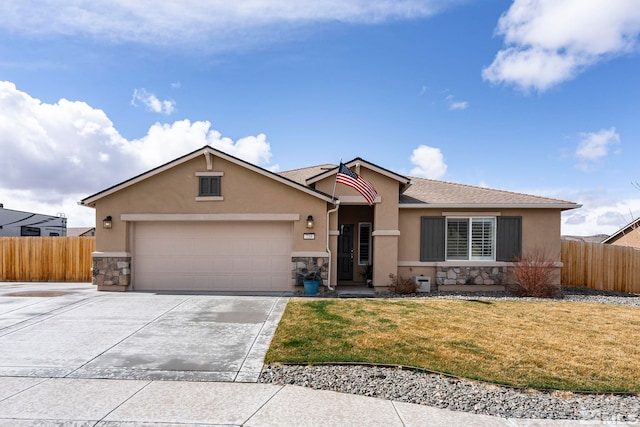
[(212, 256)]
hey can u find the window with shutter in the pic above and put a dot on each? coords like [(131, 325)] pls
[(209, 186), (470, 239)]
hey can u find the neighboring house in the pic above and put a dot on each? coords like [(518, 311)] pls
[(209, 221), (629, 235), (81, 231), (28, 224)]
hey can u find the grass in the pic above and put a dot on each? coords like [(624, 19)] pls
[(549, 344)]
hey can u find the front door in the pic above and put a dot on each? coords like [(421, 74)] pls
[(345, 252)]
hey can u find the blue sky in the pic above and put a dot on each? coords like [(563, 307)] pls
[(540, 97)]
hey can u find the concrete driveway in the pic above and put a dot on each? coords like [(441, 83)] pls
[(71, 330)]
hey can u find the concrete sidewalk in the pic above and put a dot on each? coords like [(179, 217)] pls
[(103, 402)]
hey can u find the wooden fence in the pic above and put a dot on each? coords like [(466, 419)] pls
[(598, 266), (46, 259)]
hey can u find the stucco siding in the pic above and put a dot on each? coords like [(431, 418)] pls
[(174, 191), (630, 239)]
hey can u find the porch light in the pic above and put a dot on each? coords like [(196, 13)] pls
[(107, 223), (309, 221)]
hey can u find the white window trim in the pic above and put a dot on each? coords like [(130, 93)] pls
[(209, 199), (209, 173), (470, 257)]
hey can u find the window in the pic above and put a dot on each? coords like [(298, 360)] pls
[(209, 186), (475, 238), (457, 238), (364, 243), (470, 238), (29, 231)]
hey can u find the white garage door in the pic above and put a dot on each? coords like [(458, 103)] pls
[(212, 256)]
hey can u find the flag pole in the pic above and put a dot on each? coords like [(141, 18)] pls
[(333, 195)]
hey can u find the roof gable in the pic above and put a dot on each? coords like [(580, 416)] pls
[(403, 180), (206, 150)]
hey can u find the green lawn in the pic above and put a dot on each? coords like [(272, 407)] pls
[(547, 344)]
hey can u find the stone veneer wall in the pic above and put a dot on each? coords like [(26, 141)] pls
[(112, 272), (301, 266), (472, 275)]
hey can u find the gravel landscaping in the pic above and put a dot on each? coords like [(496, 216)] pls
[(412, 386)]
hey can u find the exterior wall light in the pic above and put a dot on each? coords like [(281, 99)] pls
[(107, 223), (309, 221)]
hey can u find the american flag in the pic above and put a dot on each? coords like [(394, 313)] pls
[(347, 177)]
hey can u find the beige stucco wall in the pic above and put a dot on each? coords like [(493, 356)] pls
[(244, 191), (629, 239), (540, 232)]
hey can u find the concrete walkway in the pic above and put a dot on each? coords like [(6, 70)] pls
[(104, 402), (72, 356)]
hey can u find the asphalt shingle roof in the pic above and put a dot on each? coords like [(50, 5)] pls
[(429, 191), (442, 192)]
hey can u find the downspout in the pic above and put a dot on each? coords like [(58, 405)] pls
[(329, 212)]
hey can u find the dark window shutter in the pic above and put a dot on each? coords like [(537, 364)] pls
[(432, 238), (508, 238)]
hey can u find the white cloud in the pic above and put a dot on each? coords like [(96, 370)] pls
[(456, 105), (429, 162), (599, 216), (550, 41), (152, 102), (159, 145), (224, 24), (594, 146), (53, 151), (602, 211)]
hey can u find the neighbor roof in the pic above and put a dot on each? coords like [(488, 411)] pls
[(79, 231), (624, 230)]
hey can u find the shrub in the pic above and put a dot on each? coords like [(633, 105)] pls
[(534, 276), (402, 286)]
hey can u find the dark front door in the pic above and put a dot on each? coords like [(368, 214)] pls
[(345, 252)]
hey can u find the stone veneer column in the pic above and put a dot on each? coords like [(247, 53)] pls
[(111, 271)]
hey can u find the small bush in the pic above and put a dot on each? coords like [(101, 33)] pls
[(534, 276), (402, 286)]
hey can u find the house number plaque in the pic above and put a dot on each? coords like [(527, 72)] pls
[(309, 236)]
